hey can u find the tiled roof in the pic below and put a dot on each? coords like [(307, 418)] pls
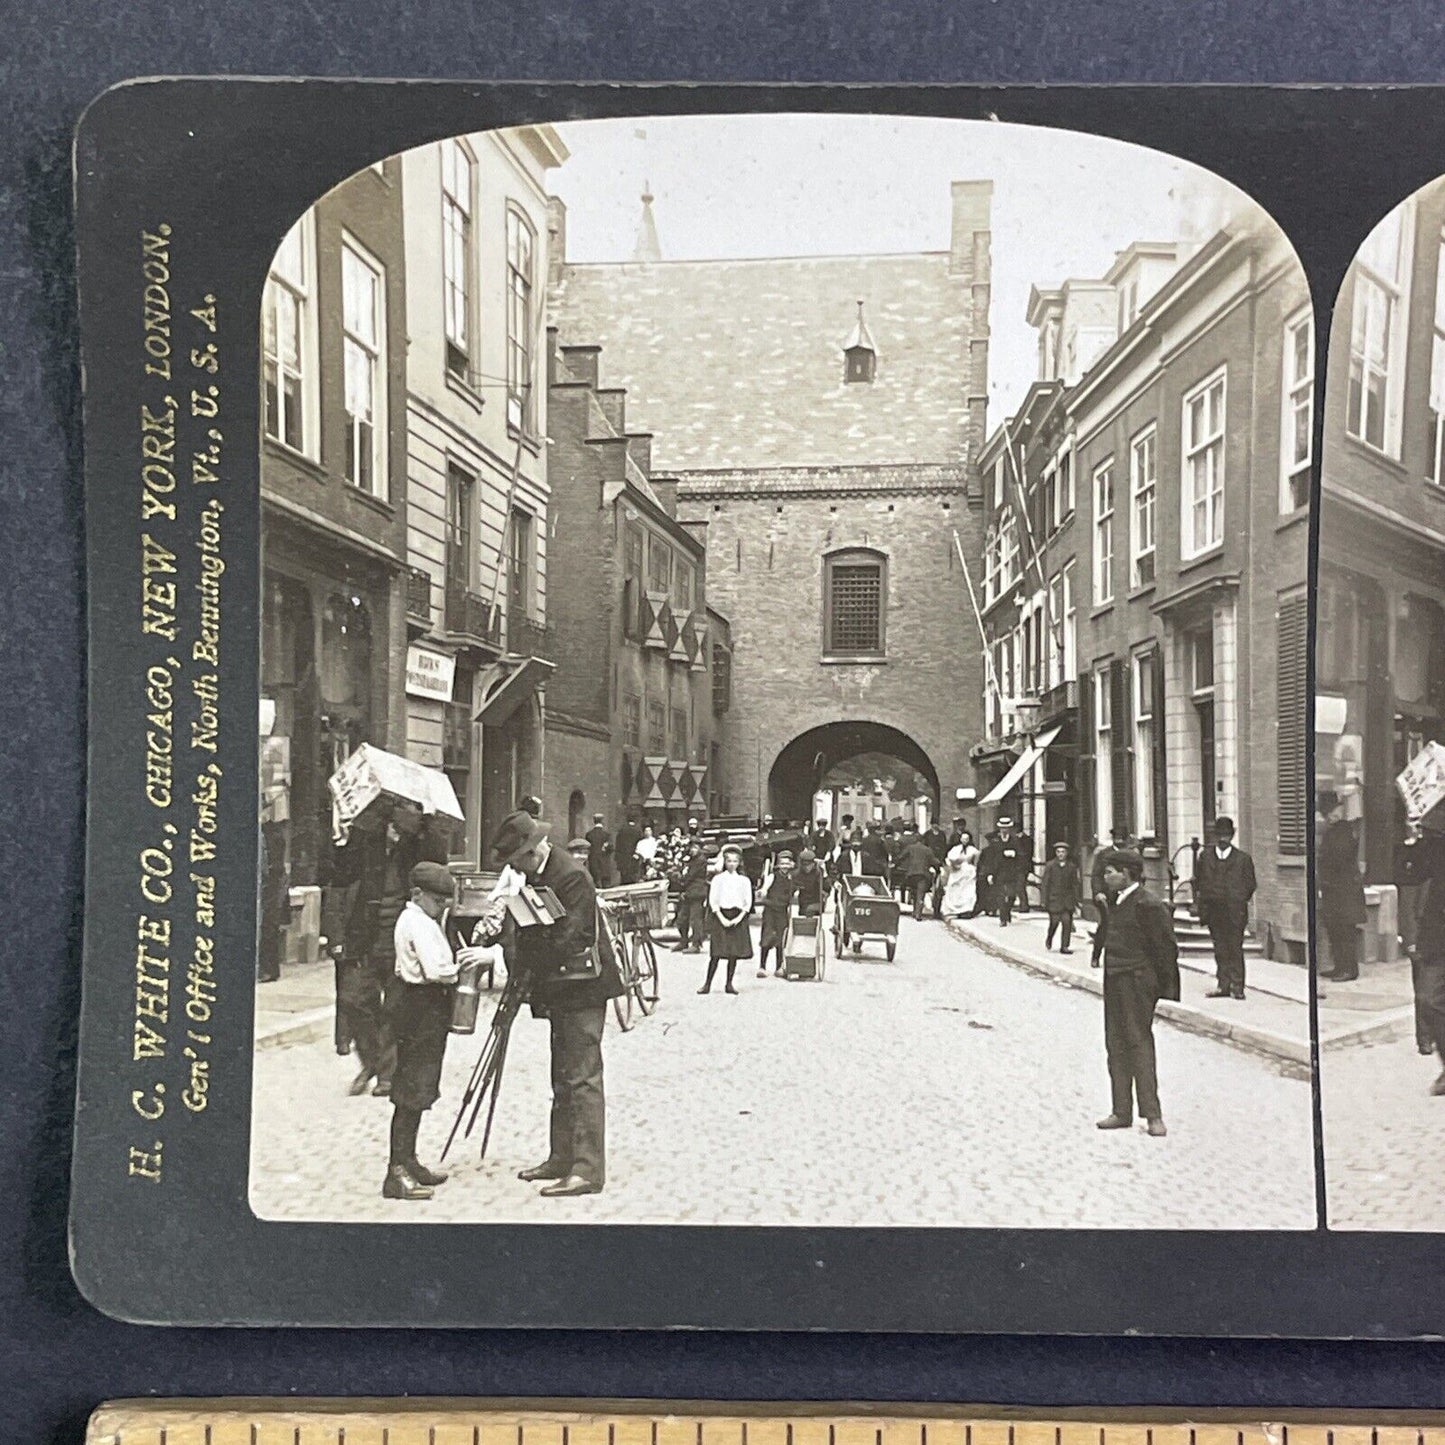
[(820, 481), (740, 363)]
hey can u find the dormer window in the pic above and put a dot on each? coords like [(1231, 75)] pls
[(860, 356)]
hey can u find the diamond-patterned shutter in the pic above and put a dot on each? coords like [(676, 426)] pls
[(676, 647), (655, 608), (649, 781), (1292, 724), (699, 787)]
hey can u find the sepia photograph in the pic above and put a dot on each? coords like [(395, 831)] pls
[(784, 688), (1380, 728)]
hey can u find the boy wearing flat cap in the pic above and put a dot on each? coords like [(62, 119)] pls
[(426, 972)]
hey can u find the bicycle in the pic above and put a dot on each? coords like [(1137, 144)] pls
[(636, 955)]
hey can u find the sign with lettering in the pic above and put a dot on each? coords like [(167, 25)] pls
[(429, 674), (1422, 784)]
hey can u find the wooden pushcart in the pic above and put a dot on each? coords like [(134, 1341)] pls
[(863, 909), (805, 953)]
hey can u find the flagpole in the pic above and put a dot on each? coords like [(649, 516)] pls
[(977, 616)]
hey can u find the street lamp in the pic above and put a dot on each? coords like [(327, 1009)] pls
[(1026, 721)]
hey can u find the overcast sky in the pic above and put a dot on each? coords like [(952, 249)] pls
[(792, 185)]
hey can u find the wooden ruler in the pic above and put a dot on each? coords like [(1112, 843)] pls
[(482, 1422)]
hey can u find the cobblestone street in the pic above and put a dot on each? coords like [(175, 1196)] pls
[(1382, 1132), (948, 1088)]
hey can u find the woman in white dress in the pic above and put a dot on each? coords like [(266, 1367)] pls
[(960, 887)]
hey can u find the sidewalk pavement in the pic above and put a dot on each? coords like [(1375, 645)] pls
[(1274, 1017), (298, 1007)]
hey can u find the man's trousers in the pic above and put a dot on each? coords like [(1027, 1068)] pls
[(1129, 1000), (578, 1131)]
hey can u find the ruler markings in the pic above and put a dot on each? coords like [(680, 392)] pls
[(413, 1422)]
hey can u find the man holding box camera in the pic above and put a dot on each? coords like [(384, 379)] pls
[(571, 976)]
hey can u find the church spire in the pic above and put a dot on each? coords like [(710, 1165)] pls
[(648, 247)]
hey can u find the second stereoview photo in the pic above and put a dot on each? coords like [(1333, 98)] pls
[(1379, 724)]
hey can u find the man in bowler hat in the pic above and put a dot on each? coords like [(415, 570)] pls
[(565, 988), (1223, 885), (1141, 966)]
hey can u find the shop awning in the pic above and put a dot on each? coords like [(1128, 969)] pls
[(1021, 765), (510, 684)]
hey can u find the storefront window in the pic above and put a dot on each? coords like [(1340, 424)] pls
[(1418, 634), (344, 668)]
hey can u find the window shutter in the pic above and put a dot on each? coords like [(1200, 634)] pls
[(1158, 761), (1291, 727), (1121, 737), (1084, 774)]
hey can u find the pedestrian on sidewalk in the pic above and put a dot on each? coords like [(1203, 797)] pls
[(729, 906), (810, 884), (1060, 891), (874, 850), (1141, 966), (893, 844), (756, 858), (960, 884), (1342, 909), (1021, 883), (1099, 893), (1422, 865), (692, 904), (847, 860), (779, 889), (599, 851), (426, 975), (644, 853), (1224, 883), (571, 975), (1002, 865), (629, 835), (917, 865)]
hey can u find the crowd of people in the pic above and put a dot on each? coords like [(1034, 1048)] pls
[(398, 953)]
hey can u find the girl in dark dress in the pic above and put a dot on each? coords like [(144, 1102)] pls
[(729, 905)]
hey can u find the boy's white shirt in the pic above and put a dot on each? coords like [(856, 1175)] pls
[(423, 954)]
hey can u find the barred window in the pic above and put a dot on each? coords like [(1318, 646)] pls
[(853, 604), (722, 678), (656, 729), (631, 721)]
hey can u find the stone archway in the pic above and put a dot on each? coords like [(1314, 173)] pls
[(802, 764)]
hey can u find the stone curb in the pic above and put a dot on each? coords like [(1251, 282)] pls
[(306, 1027), (1292, 1052), (1389, 1028)]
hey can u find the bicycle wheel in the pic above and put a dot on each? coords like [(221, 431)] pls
[(644, 972), (622, 1004)]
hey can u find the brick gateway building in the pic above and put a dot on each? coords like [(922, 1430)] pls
[(820, 417)]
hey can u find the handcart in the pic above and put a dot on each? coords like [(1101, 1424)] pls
[(805, 951), (864, 909)]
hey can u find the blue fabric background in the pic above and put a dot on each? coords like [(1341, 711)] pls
[(58, 1358)]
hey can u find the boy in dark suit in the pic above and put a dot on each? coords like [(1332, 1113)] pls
[(1141, 966), (1059, 891)]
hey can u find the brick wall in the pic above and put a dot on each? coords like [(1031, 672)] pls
[(765, 573)]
